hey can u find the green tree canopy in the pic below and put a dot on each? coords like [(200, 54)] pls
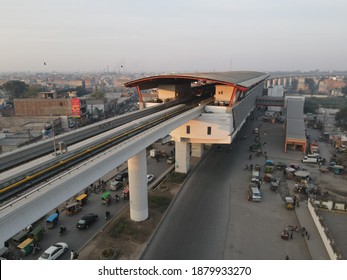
[(341, 117), (310, 84), (15, 89)]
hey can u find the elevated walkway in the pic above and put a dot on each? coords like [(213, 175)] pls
[(269, 101)]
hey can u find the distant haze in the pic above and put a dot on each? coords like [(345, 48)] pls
[(167, 36)]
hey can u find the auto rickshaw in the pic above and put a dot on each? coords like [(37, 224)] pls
[(26, 246), (52, 220), (274, 184), (126, 193), (269, 168), (37, 233), (338, 169), (106, 198), (82, 199), (72, 208), (289, 202), (19, 237), (285, 234)]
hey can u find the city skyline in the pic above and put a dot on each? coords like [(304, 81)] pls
[(183, 36)]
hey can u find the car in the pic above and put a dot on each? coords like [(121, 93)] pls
[(121, 176), (86, 220), (116, 185), (170, 160), (54, 252), (150, 178)]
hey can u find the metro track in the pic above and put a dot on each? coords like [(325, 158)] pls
[(45, 171), (36, 150)]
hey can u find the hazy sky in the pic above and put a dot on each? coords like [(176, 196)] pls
[(167, 36)]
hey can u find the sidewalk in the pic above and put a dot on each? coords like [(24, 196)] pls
[(314, 243)]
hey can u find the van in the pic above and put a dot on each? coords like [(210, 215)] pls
[(310, 159), (254, 193)]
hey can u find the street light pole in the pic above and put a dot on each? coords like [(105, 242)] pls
[(54, 144)]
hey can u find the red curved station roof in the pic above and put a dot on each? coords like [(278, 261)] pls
[(241, 79)]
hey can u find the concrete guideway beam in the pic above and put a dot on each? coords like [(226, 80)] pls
[(23, 211)]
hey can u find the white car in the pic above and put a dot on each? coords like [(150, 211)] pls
[(150, 178), (54, 252), (116, 185)]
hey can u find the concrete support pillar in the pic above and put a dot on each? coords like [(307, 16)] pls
[(182, 163), (197, 150), (284, 82), (268, 83), (137, 168)]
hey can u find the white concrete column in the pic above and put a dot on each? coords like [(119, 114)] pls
[(197, 150), (141, 105), (137, 168), (182, 163), (284, 82)]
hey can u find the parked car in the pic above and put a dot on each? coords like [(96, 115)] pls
[(116, 185), (170, 160), (121, 176), (54, 252), (150, 178), (86, 220)]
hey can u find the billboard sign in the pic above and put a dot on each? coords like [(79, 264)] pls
[(75, 107)]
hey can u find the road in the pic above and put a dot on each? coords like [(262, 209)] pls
[(75, 238), (212, 219)]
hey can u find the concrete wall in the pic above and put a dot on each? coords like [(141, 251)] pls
[(166, 91), (322, 232), (42, 107), (220, 124), (223, 93), (10, 122), (174, 91)]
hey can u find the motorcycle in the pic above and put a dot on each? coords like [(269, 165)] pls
[(107, 215), (62, 230), (36, 249)]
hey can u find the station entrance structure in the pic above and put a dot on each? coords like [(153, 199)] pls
[(295, 125)]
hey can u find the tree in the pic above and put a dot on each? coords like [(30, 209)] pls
[(32, 91), (81, 90), (97, 94), (15, 89), (295, 83), (311, 105), (310, 84), (341, 117)]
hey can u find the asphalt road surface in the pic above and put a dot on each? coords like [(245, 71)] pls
[(75, 238), (211, 217)]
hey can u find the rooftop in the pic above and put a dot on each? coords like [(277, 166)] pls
[(242, 79)]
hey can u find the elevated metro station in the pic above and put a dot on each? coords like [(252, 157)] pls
[(222, 102), (229, 99)]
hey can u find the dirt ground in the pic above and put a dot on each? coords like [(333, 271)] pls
[(130, 238)]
